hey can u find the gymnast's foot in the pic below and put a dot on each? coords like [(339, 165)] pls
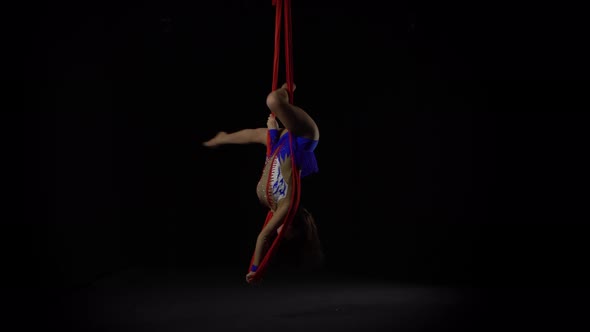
[(215, 141)]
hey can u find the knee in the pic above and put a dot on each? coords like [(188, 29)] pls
[(277, 98)]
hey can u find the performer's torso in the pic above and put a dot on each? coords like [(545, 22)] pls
[(273, 185)]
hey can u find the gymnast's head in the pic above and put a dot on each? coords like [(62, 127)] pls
[(303, 234)]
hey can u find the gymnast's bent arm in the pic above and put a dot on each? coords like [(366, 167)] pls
[(263, 239)]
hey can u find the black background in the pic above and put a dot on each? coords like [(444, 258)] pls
[(453, 138)]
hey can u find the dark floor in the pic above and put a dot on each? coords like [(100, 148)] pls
[(140, 301)]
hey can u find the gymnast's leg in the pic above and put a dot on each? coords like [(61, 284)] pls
[(295, 119)]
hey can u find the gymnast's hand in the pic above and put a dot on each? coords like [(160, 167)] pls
[(250, 277)]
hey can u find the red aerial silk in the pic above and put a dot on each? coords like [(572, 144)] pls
[(283, 7)]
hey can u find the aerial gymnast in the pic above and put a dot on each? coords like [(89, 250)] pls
[(290, 157)]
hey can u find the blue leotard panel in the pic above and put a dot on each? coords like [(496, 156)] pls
[(303, 148)]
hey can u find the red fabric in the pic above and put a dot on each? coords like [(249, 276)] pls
[(275, 68), (289, 49), (282, 7), (277, 55)]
